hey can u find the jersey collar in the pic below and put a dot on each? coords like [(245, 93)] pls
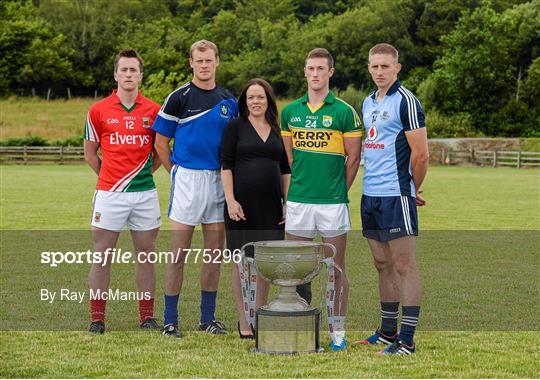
[(329, 98), (393, 88)]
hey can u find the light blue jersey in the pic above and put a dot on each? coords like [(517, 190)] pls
[(387, 155)]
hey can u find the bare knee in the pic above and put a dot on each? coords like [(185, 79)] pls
[(405, 267), (382, 265), (212, 269), (176, 265)]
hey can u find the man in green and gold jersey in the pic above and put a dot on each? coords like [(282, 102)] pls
[(322, 137)]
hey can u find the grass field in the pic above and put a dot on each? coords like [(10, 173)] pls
[(54, 120), (479, 256)]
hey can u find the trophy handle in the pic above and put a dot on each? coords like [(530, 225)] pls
[(243, 250), (331, 246)]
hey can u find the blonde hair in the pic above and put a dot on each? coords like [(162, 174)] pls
[(384, 49), (203, 45)]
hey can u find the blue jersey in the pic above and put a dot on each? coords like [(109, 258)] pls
[(387, 155), (196, 119)]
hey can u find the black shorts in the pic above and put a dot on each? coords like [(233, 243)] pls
[(388, 218)]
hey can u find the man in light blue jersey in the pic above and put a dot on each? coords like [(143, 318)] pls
[(395, 165), (195, 116)]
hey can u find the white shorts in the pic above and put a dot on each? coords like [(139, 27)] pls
[(308, 219), (138, 209), (196, 196)]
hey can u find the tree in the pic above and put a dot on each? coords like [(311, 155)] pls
[(478, 72), (31, 54)]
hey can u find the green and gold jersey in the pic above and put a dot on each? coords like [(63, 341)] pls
[(318, 171)]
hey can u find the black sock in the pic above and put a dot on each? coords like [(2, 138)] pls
[(389, 315), (409, 320)]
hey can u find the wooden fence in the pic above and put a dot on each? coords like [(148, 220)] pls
[(493, 158), (69, 155), (41, 154)]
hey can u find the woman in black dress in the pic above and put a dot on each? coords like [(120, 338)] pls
[(256, 176)]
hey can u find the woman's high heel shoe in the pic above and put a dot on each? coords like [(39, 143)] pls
[(247, 336)]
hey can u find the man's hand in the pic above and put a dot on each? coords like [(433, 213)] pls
[(419, 200)]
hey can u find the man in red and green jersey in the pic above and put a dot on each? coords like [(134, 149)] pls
[(120, 126), (322, 137)]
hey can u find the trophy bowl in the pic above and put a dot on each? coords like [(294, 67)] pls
[(288, 262)]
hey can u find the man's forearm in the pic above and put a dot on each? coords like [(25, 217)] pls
[(351, 169), (94, 162), (156, 162), (419, 165), (164, 155)]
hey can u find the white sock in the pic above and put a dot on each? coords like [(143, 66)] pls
[(339, 330)]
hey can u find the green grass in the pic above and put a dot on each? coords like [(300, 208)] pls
[(478, 254), (458, 198), (55, 119), (531, 144), (136, 355)]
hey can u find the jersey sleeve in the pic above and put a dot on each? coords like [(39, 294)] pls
[(285, 131), (233, 106), (352, 126), (92, 127), (228, 145), (411, 112), (168, 116)]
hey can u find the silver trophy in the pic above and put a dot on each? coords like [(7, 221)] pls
[(287, 324)]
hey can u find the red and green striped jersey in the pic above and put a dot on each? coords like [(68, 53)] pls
[(126, 140)]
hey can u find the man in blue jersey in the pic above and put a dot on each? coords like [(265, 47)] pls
[(195, 116), (395, 165)]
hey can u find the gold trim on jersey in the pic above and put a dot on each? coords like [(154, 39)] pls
[(357, 121), (327, 141), (353, 134), (314, 109)]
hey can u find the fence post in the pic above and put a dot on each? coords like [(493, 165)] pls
[(472, 155), (443, 156), (494, 158), (519, 159), (69, 93), (95, 94), (61, 155), (48, 93), (25, 155), (449, 157)]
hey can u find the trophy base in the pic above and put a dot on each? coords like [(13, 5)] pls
[(287, 332)]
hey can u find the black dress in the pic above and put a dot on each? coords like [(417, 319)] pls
[(257, 167)]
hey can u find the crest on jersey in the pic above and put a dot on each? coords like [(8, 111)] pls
[(224, 110), (97, 217), (372, 133), (326, 121), (146, 122)]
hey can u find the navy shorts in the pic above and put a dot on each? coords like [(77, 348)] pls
[(387, 218)]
